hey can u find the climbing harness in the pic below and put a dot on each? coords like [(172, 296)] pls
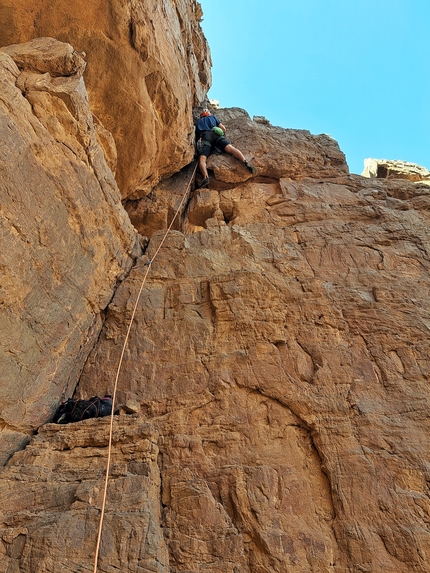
[(108, 462)]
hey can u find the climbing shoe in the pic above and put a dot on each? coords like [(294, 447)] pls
[(250, 167), (204, 183)]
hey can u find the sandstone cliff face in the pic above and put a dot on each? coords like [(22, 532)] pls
[(280, 357), (148, 64), (282, 354), (279, 352), (276, 153), (66, 240), (55, 503)]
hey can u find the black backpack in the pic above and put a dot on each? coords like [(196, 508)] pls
[(74, 410)]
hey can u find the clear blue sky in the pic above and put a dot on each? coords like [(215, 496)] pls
[(358, 70)]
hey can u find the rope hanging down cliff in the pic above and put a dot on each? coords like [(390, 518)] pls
[(149, 263)]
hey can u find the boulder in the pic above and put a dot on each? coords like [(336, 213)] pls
[(276, 152), (389, 169)]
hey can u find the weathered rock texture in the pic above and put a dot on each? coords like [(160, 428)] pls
[(55, 487), (385, 169), (66, 240), (276, 152), (279, 354), (282, 353), (148, 64)]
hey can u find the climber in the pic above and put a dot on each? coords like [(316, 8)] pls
[(210, 131)]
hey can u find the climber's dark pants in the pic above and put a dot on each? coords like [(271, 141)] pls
[(211, 140)]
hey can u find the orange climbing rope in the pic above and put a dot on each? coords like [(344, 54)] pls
[(102, 513)]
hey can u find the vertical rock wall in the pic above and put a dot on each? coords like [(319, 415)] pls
[(148, 65), (55, 487), (280, 348), (66, 240), (279, 353)]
